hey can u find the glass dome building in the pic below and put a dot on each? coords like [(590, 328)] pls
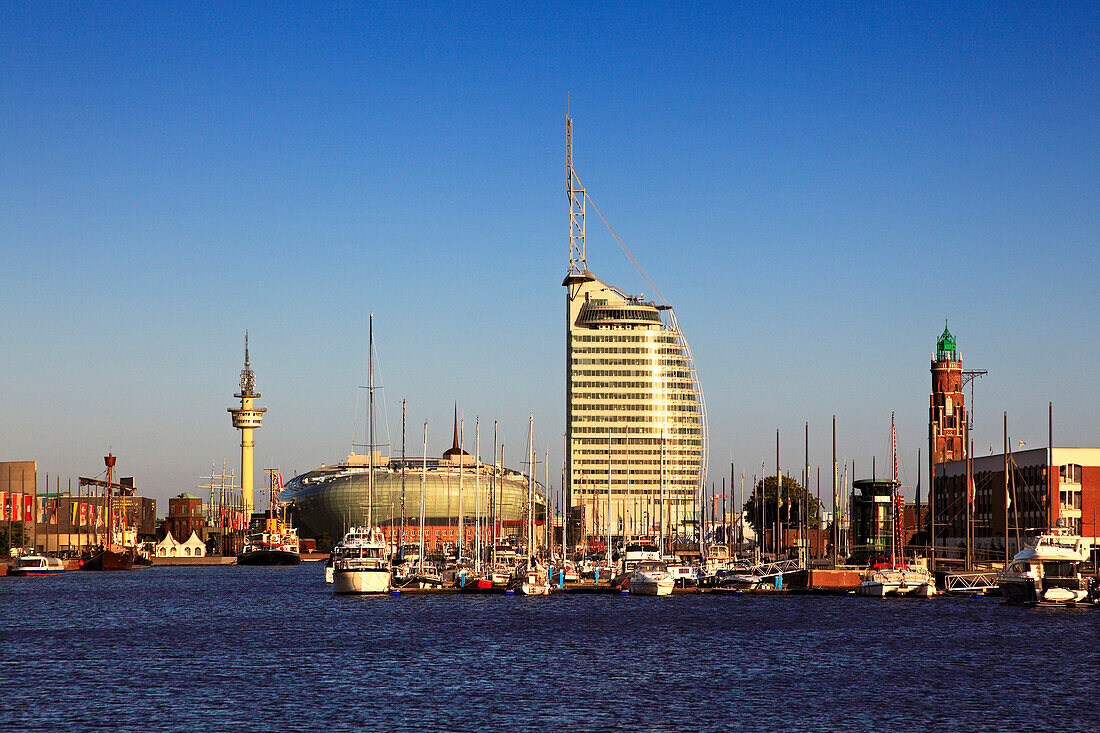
[(329, 499)]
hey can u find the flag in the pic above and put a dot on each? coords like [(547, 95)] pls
[(3, 506), (970, 489), (53, 511), (28, 508), (74, 509), (16, 507), (99, 516), (83, 514)]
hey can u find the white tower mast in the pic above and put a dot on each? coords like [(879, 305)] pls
[(247, 418)]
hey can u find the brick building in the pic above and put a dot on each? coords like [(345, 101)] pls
[(185, 516), (1062, 490)]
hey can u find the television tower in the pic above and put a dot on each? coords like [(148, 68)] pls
[(247, 418)]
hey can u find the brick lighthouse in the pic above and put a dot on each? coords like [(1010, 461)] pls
[(947, 413)]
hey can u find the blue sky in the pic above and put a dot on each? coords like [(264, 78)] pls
[(814, 187)]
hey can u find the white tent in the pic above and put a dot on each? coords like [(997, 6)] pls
[(170, 547)]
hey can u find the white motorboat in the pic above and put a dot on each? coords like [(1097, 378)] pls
[(35, 564), (1047, 571), (360, 563), (886, 579), (651, 578)]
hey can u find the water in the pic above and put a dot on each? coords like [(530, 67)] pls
[(271, 649)]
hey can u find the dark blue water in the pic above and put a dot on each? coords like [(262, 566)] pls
[(271, 649)]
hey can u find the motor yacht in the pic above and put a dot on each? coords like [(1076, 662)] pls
[(1047, 571), (361, 563), (651, 578)]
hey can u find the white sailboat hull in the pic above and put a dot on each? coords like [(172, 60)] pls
[(361, 581), (534, 589)]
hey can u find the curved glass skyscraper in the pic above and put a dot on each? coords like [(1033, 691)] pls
[(635, 417)]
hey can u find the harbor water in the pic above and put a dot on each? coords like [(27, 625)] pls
[(271, 649)]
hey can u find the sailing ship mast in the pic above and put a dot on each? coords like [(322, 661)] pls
[(370, 428)]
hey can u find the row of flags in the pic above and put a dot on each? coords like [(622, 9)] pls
[(18, 507), (231, 519)]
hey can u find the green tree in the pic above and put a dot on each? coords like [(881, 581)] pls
[(800, 498)]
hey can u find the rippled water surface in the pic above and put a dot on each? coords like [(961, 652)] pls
[(271, 649)]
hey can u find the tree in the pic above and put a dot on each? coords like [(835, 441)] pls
[(793, 491)]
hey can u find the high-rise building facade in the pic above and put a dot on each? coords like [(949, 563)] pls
[(635, 417)]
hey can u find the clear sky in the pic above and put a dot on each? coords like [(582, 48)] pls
[(814, 187)]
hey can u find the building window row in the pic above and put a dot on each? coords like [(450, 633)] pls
[(614, 350), (634, 396), (642, 335), (670, 432), (638, 407), (668, 374), (648, 384)]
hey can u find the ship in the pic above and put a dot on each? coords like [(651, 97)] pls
[(113, 553), (275, 543)]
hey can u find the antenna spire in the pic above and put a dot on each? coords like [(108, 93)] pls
[(248, 378), (578, 261)]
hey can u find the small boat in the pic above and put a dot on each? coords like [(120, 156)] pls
[(530, 579), (651, 578), (888, 579), (1047, 571), (34, 565), (361, 564)]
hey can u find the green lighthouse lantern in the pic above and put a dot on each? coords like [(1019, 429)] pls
[(945, 346)]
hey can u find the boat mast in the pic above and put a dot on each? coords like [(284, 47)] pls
[(478, 536), (894, 494), (836, 506), (546, 502), (404, 514), (661, 507), (1006, 485), (492, 517), (531, 490), (461, 472), (608, 520), (370, 428), (423, 476)]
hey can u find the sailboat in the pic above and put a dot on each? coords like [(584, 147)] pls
[(530, 578), (111, 555), (363, 565), (894, 578)]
